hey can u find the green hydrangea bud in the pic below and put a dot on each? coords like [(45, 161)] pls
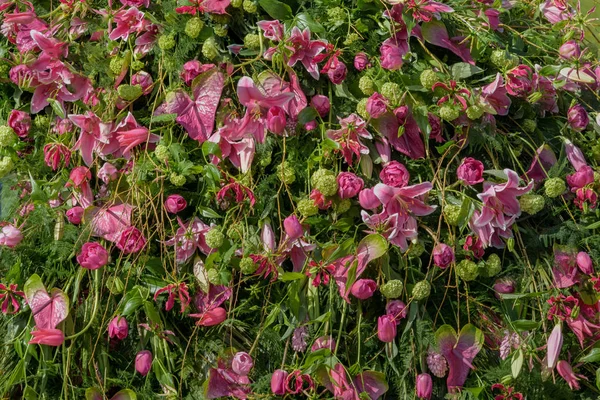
[(307, 208), (41, 121), (449, 113), (213, 276), (214, 238), (336, 15), (392, 92), (162, 152), (137, 65), (234, 232), (116, 64), (415, 250), (220, 30), (392, 289), (286, 173), (249, 6), (467, 270), (247, 266), (452, 213), (166, 42), (532, 203), (428, 78), (366, 85), (325, 182), (421, 290), (177, 180), (210, 49), (4, 69), (491, 267), (252, 41), (236, 3), (554, 187), (170, 64), (351, 38), (193, 27), (361, 108), (529, 125), (474, 112), (342, 206), (6, 165), (129, 92), (503, 59), (7, 136)]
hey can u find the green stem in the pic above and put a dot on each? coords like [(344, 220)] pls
[(94, 311)]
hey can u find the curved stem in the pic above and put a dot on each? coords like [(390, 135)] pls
[(95, 309)]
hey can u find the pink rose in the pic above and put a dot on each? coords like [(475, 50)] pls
[(242, 363), (92, 256), (337, 74), (10, 236), (394, 174), (470, 171), (363, 288), (518, 81), (175, 203), (443, 255), (436, 128), (349, 185), (397, 309), (376, 105), (578, 118), (75, 215), (361, 61), (321, 104), (504, 286), (131, 240), (583, 177), (20, 122)]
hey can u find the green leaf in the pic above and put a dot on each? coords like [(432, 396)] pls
[(595, 225), (592, 356), (93, 393), (598, 378), (372, 247), (156, 119), (211, 148), (125, 394), (341, 250), (517, 363), (304, 20), (464, 70), (37, 194), (291, 276), (208, 212), (132, 301), (351, 275), (276, 9), (525, 325), (152, 312), (466, 210), (307, 114), (342, 91), (57, 108)]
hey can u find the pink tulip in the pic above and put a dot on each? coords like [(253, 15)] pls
[(443, 255), (175, 203), (321, 104), (424, 386), (386, 328), (92, 256), (118, 328), (278, 382), (349, 185), (555, 341), (49, 337), (75, 215), (293, 228), (578, 118), (470, 171), (363, 288), (570, 50), (242, 363), (10, 236), (276, 120), (584, 262), (143, 362)]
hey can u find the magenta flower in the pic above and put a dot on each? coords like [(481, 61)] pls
[(376, 105), (361, 61), (518, 81), (117, 328), (323, 342), (581, 178), (394, 174), (393, 49), (578, 118), (363, 288), (386, 328), (49, 337), (276, 120), (272, 30), (495, 97), (556, 10), (235, 191), (136, 3), (55, 153), (188, 238), (94, 134), (208, 304), (424, 386), (204, 6), (321, 104), (173, 289), (131, 240), (398, 229), (10, 236), (397, 309), (337, 72), (131, 134), (304, 50), (278, 382), (192, 69), (92, 256), (349, 185), (75, 215), (8, 298), (242, 363), (79, 179), (575, 155), (175, 203), (470, 171), (348, 137), (443, 255), (435, 32), (405, 200), (504, 286), (570, 50), (143, 80), (426, 10), (20, 122), (565, 370), (143, 362), (107, 173), (369, 384), (128, 21), (555, 341), (584, 262)]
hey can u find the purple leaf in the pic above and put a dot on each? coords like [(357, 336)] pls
[(48, 310), (371, 382), (459, 351)]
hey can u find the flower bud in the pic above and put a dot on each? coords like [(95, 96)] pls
[(386, 328), (143, 362), (242, 363), (424, 386), (278, 382), (276, 120)]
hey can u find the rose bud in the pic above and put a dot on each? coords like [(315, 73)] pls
[(349, 185), (470, 171), (92, 256), (278, 382), (321, 104), (175, 203), (443, 255), (242, 363), (363, 288), (118, 328)]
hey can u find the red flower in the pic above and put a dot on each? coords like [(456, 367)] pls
[(10, 305)]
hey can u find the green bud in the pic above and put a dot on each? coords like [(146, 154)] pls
[(449, 113), (307, 208), (554, 187), (214, 238), (249, 6), (421, 290), (474, 112), (532, 203), (361, 108), (193, 27), (366, 85), (210, 49), (392, 92), (392, 289), (286, 173), (177, 180), (491, 267), (467, 270), (166, 42), (252, 41), (428, 78), (129, 92), (8, 137), (325, 182), (452, 214), (247, 266), (116, 64)]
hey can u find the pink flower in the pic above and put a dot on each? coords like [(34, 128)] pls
[(293, 228), (578, 118), (363, 288), (79, 178), (376, 105), (235, 191), (443, 255), (278, 380), (128, 21), (555, 341), (348, 136), (424, 386), (393, 49), (204, 6), (394, 174), (136, 3), (368, 200), (304, 50), (584, 262), (272, 30), (361, 61), (426, 10), (131, 241), (585, 196), (181, 290), (118, 328), (583, 177), (92, 256), (212, 317), (75, 215), (188, 238), (565, 370), (94, 134), (321, 104), (495, 96), (20, 122), (192, 69), (143, 362), (405, 200), (349, 185), (386, 328), (518, 81), (242, 363), (397, 309), (575, 155), (570, 50), (10, 236), (504, 286), (276, 120), (470, 171), (107, 173), (323, 342), (556, 10), (337, 73), (49, 337), (175, 203), (297, 382), (131, 134), (55, 153), (143, 80), (10, 305)]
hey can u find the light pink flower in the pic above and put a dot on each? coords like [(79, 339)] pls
[(555, 341), (131, 134), (92, 256), (10, 236), (188, 238), (495, 96), (143, 362), (94, 134), (348, 136), (272, 30), (128, 21), (107, 172), (304, 50)]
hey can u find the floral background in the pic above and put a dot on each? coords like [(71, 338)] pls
[(359, 199)]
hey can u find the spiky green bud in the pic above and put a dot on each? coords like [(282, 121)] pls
[(474, 112), (449, 113), (467, 270), (421, 290), (210, 49), (6, 165), (392, 289), (213, 276), (307, 208), (336, 15), (129, 92), (166, 42), (247, 266), (529, 125), (177, 180), (162, 152), (220, 30), (252, 41), (452, 213), (415, 250), (554, 187), (491, 267), (116, 64), (286, 173), (392, 92), (249, 6), (342, 206), (361, 108)]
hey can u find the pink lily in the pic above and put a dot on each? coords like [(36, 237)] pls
[(575, 155), (235, 191), (272, 30), (128, 21), (435, 32), (50, 46), (405, 200), (204, 6), (398, 229), (426, 10), (495, 96), (556, 10), (171, 289), (94, 133), (565, 370), (10, 305), (348, 137), (208, 304), (239, 152), (131, 134), (188, 238), (304, 50)]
